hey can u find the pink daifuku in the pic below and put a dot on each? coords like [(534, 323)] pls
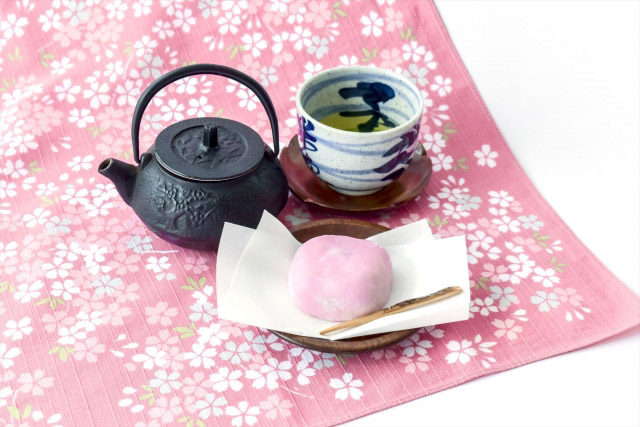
[(339, 278)]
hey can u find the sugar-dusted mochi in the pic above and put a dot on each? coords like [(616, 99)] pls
[(339, 278)]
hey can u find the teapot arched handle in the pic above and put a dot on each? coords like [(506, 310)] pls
[(190, 70)]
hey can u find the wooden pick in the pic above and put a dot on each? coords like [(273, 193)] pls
[(406, 305)]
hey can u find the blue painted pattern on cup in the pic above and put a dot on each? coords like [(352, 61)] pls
[(359, 163)]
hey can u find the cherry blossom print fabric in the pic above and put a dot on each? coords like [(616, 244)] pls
[(103, 323)]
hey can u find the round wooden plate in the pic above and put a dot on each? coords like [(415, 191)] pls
[(310, 189), (360, 230)]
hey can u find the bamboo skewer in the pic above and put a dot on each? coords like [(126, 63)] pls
[(406, 305)]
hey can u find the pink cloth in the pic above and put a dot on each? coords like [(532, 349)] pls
[(104, 323)]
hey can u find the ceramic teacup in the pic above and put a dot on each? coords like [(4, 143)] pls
[(381, 111)]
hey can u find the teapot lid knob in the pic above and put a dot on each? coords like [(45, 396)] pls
[(210, 135)]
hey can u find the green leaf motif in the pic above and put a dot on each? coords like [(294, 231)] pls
[(407, 34), (186, 332), (369, 55), (14, 412), (448, 130), (33, 167), (26, 412)]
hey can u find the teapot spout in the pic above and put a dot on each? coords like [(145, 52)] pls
[(123, 175)]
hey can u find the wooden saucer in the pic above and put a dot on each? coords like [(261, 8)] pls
[(360, 230), (310, 189)]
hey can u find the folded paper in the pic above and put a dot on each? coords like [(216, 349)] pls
[(253, 270)]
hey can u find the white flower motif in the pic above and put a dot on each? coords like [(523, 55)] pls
[(414, 345), (254, 43), (151, 357), (199, 107), (455, 211), (412, 51), (201, 355), (243, 413), (7, 189), (460, 351), (347, 387), (12, 26), (248, 99), (79, 163), (144, 46), (15, 169), (158, 266), (17, 330), (268, 75), (224, 379), (50, 19), (501, 198), (372, 24), (416, 74), (505, 224), (348, 60), (57, 268), (165, 382), (139, 244), (228, 23), (150, 66), (89, 321), (76, 11), (38, 217), (507, 327), (202, 310), (212, 334), (128, 93), (117, 9), (69, 336), (484, 307), (106, 285), (301, 37), (81, 117), (442, 85), (67, 91), (59, 68), (211, 405), (521, 267), (7, 251), (545, 276), (310, 70), (98, 94), (6, 354), (486, 156), (172, 110), (184, 19), (236, 353), (27, 292), (163, 29), (530, 222), (141, 7), (64, 289), (442, 162), (505, 296), (270, 373), (434, 143), (544, 301), (319, 46)]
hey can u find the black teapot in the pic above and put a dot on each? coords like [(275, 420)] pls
[(201, 173)]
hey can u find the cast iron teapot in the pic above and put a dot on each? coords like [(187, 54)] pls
[(201, 173)]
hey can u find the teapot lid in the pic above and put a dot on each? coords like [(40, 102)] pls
[(209, 149)]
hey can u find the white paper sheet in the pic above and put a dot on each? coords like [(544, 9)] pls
[(253, 287)]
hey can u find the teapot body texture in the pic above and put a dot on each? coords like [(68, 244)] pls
[(192, 213), (201, 172)]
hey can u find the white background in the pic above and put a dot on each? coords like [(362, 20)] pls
[(561, 80)]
